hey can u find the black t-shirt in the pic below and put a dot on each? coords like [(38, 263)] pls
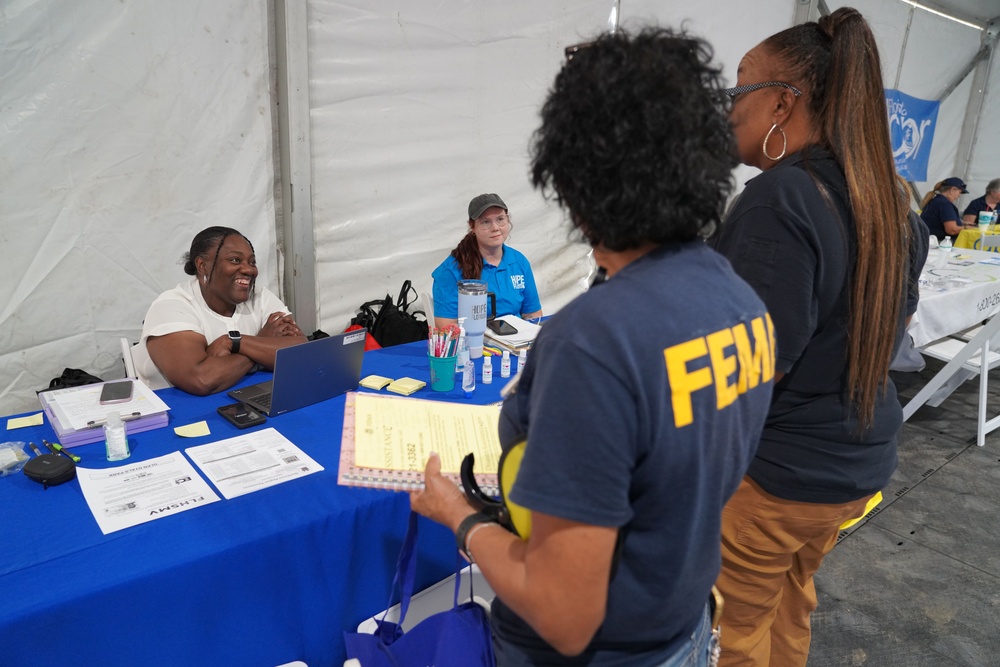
[(796, 245)]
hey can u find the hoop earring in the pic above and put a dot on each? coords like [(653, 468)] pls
[(784, 143)]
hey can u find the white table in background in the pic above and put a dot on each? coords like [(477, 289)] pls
[(955, 296)]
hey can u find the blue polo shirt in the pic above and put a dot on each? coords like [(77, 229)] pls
[(512, 282), (938, 211)]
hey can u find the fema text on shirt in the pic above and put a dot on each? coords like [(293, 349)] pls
[(737, 361)]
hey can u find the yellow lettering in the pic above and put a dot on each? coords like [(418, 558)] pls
[(683, 382), (749, 356), (723, 367)]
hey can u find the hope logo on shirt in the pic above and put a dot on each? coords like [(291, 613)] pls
[(517, 281)]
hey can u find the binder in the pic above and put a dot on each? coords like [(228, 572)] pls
[(77, 417), (408, 478)]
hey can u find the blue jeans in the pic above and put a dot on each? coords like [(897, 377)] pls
[(700, 649)]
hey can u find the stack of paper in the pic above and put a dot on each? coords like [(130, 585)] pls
[(526, 332), (77, 415)]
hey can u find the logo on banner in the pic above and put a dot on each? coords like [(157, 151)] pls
[(911, 130)]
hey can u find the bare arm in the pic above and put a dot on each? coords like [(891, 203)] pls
[(190, 363), (951, 227), (442, 322), (970, 220), (557, 581), (531, 316)]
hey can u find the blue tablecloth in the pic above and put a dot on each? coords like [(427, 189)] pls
[(262, 579)]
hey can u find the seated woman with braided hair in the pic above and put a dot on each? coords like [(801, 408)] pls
[(483, 254), (208, 332)]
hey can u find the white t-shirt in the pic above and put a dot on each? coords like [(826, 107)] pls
[(183, 308)]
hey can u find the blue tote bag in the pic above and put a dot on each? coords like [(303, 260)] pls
[(458, 637)]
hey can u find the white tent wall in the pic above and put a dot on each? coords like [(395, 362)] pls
[(126, 128), (418, 106)]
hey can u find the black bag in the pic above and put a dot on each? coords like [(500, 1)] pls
[(72, 377), (391, 323)]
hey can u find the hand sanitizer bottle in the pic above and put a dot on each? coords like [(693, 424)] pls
[(487, 369), (469, 378), (463, 347), (522, 359), (505, 364), (115, 437)]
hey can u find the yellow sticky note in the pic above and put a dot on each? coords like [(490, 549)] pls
[(194, 430), (21, 422), (406, 386), (375, 382)]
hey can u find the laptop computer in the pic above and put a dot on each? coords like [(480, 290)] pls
[(308, 373)]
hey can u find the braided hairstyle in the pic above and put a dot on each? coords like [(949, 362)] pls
[(208, 242)]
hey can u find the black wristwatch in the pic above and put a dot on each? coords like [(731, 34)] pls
[(235, 337)]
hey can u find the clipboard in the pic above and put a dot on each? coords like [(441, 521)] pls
[(145, 413)]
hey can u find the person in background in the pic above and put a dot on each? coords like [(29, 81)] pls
[(484, 255), (938, 208), (988, 202), (643, 398), (823, 236), (208, 332)]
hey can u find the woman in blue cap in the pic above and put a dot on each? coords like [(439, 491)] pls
[(939, 211), (484, 255)]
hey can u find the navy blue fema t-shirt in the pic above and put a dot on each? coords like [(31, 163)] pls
[(642, 401)]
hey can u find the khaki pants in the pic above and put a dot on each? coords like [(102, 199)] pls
[(770, 550)]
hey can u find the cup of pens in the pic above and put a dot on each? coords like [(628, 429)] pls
[(442, 352)]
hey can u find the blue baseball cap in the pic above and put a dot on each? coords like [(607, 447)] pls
[(954, 182)]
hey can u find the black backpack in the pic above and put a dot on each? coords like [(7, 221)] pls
[(392, 323)]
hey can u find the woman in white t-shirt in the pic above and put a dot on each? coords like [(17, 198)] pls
[(208, 332)]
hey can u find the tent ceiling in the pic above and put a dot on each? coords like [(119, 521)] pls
[(974, 11)]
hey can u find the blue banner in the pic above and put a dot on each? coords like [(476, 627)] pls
[(911, 129)]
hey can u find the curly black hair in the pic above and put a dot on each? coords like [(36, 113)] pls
[(634, 140)]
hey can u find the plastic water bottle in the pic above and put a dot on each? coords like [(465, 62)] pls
[(469, 378), (115, 437), (505, 364), (463, 347), (944, 252), (487, 369)]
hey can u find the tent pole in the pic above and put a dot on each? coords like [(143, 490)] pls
[(980, 65), (295, 148)]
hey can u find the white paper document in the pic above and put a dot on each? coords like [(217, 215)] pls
[(128, 495), (251, 462), (76, 407), (526, 332)]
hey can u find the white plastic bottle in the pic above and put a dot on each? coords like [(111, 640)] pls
[(463, 347), (505, 364), (944, 251), (469, 378), (115, 437), (522, 359), (487, 369)]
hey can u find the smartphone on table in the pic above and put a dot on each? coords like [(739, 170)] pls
[(501, 327), (116, 392), (241, 415)]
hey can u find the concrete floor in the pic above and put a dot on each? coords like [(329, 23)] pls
[(918, 582)]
